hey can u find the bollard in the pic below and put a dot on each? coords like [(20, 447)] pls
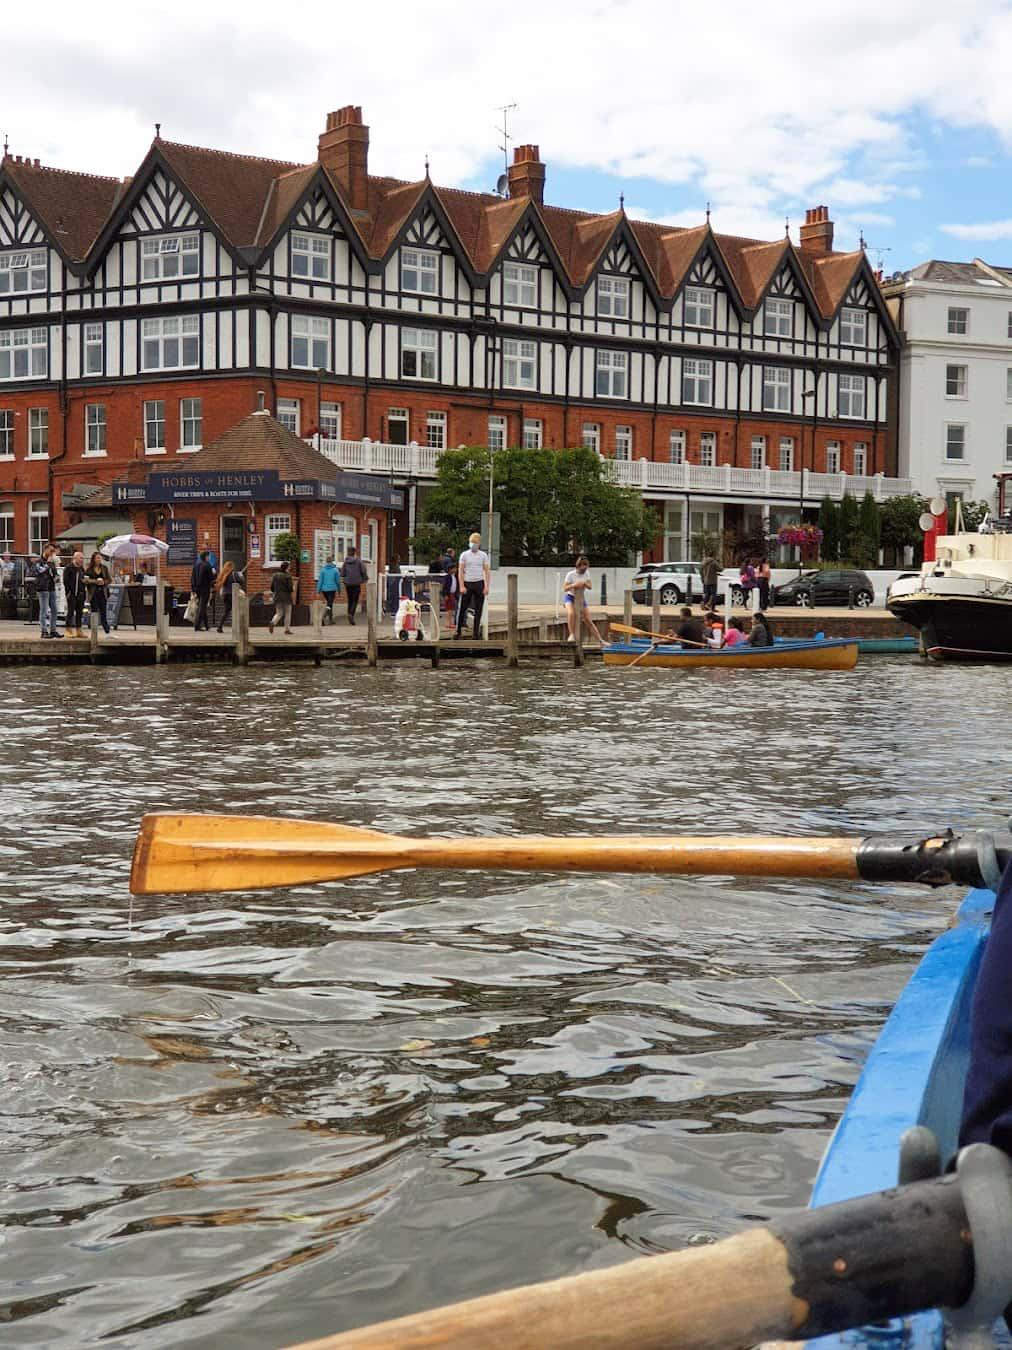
[(578, 654), (159, 622), (604, 587), (627, 609), (435, 613), (371, 641), (850, 597), (316, 610), (655, 619), (240, 625), (512, 620), (93, 636)]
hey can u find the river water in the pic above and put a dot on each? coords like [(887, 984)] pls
[(244, 1121)]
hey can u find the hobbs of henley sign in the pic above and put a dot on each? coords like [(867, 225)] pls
[(223, 485)]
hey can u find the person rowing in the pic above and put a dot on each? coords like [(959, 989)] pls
[(691, 632)]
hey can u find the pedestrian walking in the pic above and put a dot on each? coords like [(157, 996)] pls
[(44, 575), (223, 584), (355, 576), (474, 576), (73, 586), (97, 580), (328, 584), (201, 580), (283, 591), (708, 572), (576, 587), (764, 577)]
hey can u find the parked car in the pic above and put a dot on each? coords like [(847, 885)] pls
[(676, 582), (827, 588)]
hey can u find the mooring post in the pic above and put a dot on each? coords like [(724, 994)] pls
[(627, 609), (371, 642), (240, 625), (93, 636), (655, 620), (578, 656), (159, 621), (316, 609), (435, 609), (512, 619)]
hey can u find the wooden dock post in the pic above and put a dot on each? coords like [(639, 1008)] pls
[(627, 609), (436, 613), (160, 650), (578, 656), (240, 625), (93, 636), (512, 620), (371, 643), (655, 620)]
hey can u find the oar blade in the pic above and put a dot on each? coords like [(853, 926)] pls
[(185, 853)]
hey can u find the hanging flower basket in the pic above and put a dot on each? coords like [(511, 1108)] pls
[(806, 537)]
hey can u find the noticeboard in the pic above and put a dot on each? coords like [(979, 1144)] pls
[(181, 537)]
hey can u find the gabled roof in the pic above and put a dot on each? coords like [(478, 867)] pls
[(230, 189), (70, 207)]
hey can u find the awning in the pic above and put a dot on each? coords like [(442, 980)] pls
[(90, 530)]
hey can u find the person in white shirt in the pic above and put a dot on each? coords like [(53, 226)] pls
[(575, 589), (474, 575)]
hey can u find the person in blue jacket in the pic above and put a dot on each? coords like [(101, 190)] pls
[(328, 583)]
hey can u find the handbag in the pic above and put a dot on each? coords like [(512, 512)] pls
[(190, 612)]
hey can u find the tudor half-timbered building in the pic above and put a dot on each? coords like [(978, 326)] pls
[(140, 318)]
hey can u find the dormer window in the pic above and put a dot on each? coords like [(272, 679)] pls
[(853, 327), (613, 297), (419, 271), (21, 273), (778, 318), (520, 285), (697, 307), (311, 256), (174, 255)]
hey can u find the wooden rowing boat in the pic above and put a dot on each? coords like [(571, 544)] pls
[(802, 654)]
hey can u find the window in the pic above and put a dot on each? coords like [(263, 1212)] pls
[(519, 364), (955, 382), (397, 425), (93, 349), (697, 307), (38, 432), (288, 414), (532, 433), (94, 428), (330, 421), (345, 536), (22, 272), (623, 442), (697, 381), (191, 423), (496, 431), (851, 395), (860, 459), (708, 448), (6, 433), (955, 441), (418, 354), (853, 327), (778, 318), (170, 344), (611, 372), (154, 426), (419, 271), (435, 430), (786, 454), (776, 389), (959, 321), (6, 527), (590, 436), (757, 452), (175, 255), (38, 526), (520, 285), (613, 297), (676, 447), (1008, 384), (1008, 445), (24, 353), (273, 526), (310, 256), (1009, 324), (310, 343), (832, 456)]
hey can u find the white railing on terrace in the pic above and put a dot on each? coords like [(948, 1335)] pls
[(419, 461)]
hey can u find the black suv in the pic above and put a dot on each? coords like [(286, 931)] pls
[(827, 588)]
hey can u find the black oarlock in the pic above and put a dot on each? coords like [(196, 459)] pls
[(975, 858)]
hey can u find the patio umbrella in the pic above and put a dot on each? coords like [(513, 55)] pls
[(133, 546)]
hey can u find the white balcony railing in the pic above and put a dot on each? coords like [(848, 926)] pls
[(419, 462)]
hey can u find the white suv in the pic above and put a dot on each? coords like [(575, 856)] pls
[(676, 582)]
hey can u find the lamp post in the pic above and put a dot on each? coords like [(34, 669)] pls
[(808, 394), (319, 407)]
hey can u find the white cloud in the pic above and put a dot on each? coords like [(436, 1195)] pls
[(979, 162), (983, 231)]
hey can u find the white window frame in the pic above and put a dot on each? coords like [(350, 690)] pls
[(345, 531), (435, 430), (23, 271), (698, 307), (520, 285), (853, 327), (275, 523), (1008, 328), (953, 441), (289, 414), (697, 382), (613, 297), (38, 433), (786, 454), (708, 449), (776, 389), (676, 447), (834, 455), (6, 527), (171, 343), (95, 430), (402, 416), (1008, 384), (611, 374), (778, 318), (309, 340), (330, 421), (191, 415), (757, 452), (624, 442), (534, 431), (860, 459), (1008, 445), (31, 345), (519, 364), (957, 320), (590, 436), (170, 257), (154, 426), (38, 535), (93, 349), (420, 271), (6, 433), (419, 354), (956, 380), (496, 431), (310, 256), (851, 395)]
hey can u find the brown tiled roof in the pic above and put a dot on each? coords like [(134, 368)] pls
[(261, 442), (282, 197), (70, 207), (232, 189), (830, 277)]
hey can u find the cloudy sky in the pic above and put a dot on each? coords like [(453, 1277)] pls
[(897, 114)]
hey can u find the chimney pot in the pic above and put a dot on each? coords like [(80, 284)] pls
[(344, 150), (527, 173), (260, 400), (817, 232)]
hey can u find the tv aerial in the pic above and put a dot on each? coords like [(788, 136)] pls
[(503, 182)]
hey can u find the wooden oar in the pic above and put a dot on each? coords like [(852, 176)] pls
[(663, 637), (187, 853), (824, 1270)]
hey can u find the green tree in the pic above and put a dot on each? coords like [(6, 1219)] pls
[(848, 526), (829, 524), (287, 547), (973, 513), (869, 530), (900, 517), (430, 540)]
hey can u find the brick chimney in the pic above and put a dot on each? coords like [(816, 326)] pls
[(344, 150), (527, 174), (817, 232)]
